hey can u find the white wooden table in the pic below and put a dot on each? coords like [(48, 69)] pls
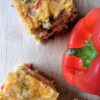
[(17, 47)]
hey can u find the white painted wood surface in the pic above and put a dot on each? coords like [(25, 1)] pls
[(17, 47)]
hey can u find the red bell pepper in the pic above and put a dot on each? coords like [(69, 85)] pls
[(81, 62)]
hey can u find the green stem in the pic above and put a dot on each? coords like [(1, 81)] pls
[(87, 53)]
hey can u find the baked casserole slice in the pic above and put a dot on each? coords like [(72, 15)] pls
[(43, 18), (27, 84)]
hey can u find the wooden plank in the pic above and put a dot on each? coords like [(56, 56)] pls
[(17, 47), (85, 5)]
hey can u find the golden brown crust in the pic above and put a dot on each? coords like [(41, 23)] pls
[(36, 74), (63, 21), (57, 24), (27, 84)]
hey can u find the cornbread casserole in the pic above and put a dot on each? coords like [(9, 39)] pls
[(27, 84), (43, 18)]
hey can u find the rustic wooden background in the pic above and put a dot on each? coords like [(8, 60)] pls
[(17, 47)]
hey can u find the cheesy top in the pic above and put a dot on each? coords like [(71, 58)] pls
[(21, 86), (40, 11)]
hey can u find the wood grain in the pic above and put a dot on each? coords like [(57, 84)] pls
[(17, 47)]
